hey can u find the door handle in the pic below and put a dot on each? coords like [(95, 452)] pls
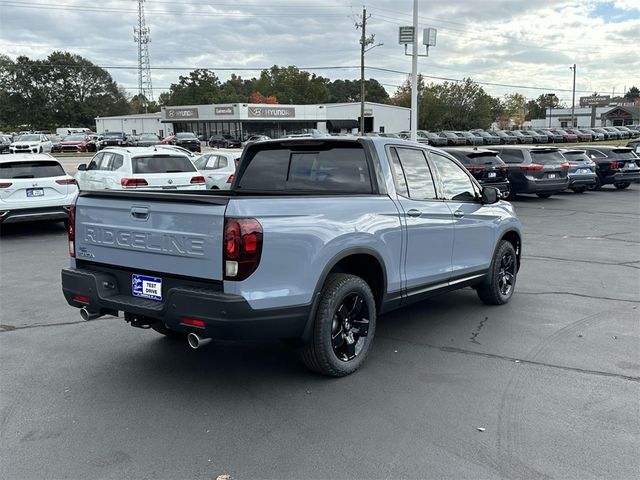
[(140, 213), (414, 213), (458, 214)]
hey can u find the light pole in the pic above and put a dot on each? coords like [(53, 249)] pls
[(573, 97), (550, 97)]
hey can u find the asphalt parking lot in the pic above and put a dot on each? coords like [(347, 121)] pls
[(544, 387)]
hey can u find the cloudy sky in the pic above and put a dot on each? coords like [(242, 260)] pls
[(518, 44)]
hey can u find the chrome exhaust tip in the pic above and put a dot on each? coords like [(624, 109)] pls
[(196, 341), (87, 315)]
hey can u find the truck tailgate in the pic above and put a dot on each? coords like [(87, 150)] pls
[(152, 232)]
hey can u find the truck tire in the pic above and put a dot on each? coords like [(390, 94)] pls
[(344, 327), (500, 282)]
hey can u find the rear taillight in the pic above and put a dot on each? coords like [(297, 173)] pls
[(615, 165), (475, 169), (242, 247), (504, 169), (534, 167), (72, 231), (196, 180), (5, 185), (133, 182), (566, 165), (67, 181), (230, 179)]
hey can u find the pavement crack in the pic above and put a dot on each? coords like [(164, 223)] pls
[(523, 361), (593, 297), (474, 335), (12, 328), (573, 260)]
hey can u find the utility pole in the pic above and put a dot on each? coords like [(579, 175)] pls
[(364, 43), (573, 97)]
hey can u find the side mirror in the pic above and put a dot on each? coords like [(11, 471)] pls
[(490, 195), (82, 167)]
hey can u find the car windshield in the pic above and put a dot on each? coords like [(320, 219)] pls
[(74, 138), (29, 138), (31, 169), (162, 164), (561, 132), (114, 134), (185, 135), (467, 134), (545, 157)]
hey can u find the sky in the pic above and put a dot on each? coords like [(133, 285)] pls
[(525, 46)]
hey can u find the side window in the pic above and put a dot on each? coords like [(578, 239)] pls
[(105, 163), (398, 174), (512, 156), (95, 161), (417, 174), (222, 162), (118, 161), (456, 183)]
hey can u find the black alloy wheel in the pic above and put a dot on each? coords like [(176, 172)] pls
[(597, 186), (344, 326), (499, 283), (349, 327)]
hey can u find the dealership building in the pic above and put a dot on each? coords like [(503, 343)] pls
[(242, 120)]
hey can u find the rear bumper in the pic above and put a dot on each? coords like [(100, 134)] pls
[(225, 316), (582, 180), (33, 214), (631, 177), (502, 186), (542, 187)]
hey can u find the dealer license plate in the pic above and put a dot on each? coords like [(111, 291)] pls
[(146, 287), (552, 175), (584, 170), (632, 166), (35, 192), (492, 174)]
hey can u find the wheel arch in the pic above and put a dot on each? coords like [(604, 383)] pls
[(514, 238)]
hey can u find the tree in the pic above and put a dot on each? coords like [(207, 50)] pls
[(199, 87), (257, 97), (139, 102), (632, 94), (402, 96), (514, 104), (341, 91), (292, 85), (63, 89)]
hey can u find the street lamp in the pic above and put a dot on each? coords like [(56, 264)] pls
[(550, 97)]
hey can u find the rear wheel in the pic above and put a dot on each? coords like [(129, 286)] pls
[(500, 282), (597, 186), (579, 189), (344, 327), (543, 195), (622, 185)]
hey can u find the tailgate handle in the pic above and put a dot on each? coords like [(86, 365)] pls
[(140, 213)]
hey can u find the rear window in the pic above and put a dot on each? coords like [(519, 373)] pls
[(624, 155), (34, 169), (512, 156), (547, 157), (162, 164), (482, 159), (577, 156), (342, 169)]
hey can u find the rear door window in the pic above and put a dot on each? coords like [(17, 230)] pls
[(417, 174), (161, 164), (32, 169)]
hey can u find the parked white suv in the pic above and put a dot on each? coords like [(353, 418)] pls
[(115, 168), (218, 168), (34, 187), (31, 143)]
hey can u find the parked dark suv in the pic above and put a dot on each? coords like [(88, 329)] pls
[(224, 140), (187, 140), (615, 165), (113, 139), (485, 166), (539, 170)]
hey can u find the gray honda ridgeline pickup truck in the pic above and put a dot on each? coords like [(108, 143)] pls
[(315, 239)]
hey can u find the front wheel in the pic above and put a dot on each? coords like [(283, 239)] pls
[(500, 282), (344, 327), (622, 185)]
